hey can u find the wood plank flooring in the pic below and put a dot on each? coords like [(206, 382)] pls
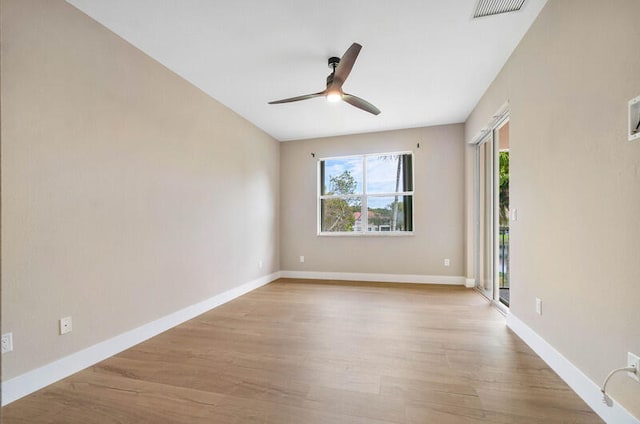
[(312, 352)]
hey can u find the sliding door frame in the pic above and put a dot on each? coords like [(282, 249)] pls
[(490, 136)]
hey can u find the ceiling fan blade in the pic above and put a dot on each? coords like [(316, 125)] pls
[(360, 103), (346, 64), (298, 98)]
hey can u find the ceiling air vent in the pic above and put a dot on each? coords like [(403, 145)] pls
[(495, 7)]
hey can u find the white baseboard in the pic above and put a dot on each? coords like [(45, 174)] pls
[(588, 390), (470, 283), (38, 378), (376, 278)]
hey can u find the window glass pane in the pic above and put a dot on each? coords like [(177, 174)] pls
[(340, 215), (389, 213), (341, 176), (388, 173)]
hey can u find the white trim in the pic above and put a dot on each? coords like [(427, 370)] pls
[(588, 390), (470, 283), (502, 114), (634, 113), (38, 378), (376, 278), (501, 307), (368, 234)]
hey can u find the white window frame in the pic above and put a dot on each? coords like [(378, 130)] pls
[(363, 197)]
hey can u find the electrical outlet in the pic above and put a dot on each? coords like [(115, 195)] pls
[(301, 259), (538, 306), (633, 361), (65, 325), (7, 342), (447, 262)]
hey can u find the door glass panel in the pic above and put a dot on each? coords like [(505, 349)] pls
[(503, 207), (485, 215)]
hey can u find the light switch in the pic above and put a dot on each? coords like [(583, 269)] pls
[(65, 325), (634, 119)]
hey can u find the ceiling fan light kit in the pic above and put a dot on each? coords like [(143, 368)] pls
[(334, 97), (341, 68)]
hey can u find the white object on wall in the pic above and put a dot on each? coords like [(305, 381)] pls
[(634, 119)]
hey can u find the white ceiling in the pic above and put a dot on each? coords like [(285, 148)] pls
[(423, 62)]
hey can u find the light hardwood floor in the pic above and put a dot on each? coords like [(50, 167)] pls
[(309, 352)]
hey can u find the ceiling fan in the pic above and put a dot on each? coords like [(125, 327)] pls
[(341, 68)]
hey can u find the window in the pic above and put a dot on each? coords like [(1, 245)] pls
[(370, 194)]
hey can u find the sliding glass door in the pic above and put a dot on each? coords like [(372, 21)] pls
[(492, 214), (503, 212), (485, 221)]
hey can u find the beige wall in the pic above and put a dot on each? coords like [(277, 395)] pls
[(438, 207), (575, 180), (127, 194)]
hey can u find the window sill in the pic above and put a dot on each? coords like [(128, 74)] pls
[(369, 234)]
